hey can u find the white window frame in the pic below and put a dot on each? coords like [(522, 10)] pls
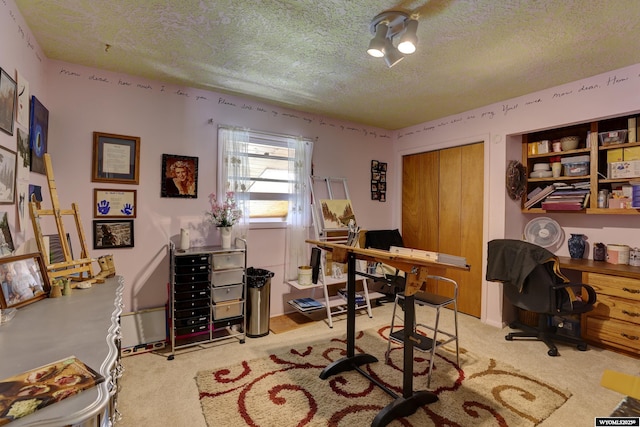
[(263, 138)]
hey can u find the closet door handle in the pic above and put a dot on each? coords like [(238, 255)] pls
[(631, 337), (631, 291), (628, 313)]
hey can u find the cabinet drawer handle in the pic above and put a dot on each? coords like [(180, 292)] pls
[(631, 337), (628, 313), (631, 291)]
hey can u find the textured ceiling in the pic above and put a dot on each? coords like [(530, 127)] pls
[(310, 55)]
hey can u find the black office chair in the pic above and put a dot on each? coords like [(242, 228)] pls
[(533, 282), (393, 282)]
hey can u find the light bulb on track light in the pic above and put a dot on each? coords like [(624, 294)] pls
[(377, 43), (409, 40)]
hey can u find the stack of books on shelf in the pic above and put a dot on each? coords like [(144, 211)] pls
[(343, 294), (560, 197), (306, 304), (537, 195)]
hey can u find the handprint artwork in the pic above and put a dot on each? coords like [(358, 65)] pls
[(103, 207), (127, 210), (115, 203)]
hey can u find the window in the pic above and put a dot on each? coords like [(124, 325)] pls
[(270, 176)]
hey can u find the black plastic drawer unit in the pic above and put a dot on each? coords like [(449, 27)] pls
[(207, 294), (189, 278), (195, 295), (201, 311), (192, 269), (192, 321), (196, 303), (192, 286), (201, 259)]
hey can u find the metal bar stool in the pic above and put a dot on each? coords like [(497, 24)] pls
[(425, 343)]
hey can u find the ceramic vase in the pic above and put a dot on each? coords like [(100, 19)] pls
[(225, 232), (576, 246)]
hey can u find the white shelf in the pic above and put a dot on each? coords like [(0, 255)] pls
[(330, 281)]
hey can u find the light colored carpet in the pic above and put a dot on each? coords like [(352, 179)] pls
[(158, 392), (284, 390)]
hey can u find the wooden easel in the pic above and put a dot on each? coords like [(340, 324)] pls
[(80, 268)]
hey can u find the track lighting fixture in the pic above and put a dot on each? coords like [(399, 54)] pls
[(388, 26), (377, 43)]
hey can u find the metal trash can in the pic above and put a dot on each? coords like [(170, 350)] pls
[(258, 301)]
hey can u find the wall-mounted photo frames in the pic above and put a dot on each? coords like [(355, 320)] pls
[(112, 234), (8, 89), (179, 176), (24, 95), (38, 132), (6, 240), (7, 176), (116, 158), (378, 181), (114, 203)]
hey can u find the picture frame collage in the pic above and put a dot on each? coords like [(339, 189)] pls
[(378, 181), (116, 160)]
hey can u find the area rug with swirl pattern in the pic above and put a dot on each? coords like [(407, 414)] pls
[(285, 390)]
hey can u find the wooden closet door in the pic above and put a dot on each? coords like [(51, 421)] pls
[(442, 207), (420, 201)]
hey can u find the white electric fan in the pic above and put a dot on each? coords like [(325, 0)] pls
[(543, 231)]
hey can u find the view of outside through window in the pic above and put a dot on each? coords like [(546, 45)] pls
[(269, 180)]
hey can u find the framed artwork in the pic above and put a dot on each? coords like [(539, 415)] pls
[(8, 89), (7, 176), (38, 131), (112, 234), (24, 155), (35, 193), (378, 181), (179, 176), (22, 114), (24, 280), (336, 213), (109, 203), (116, 158), (6, 240)]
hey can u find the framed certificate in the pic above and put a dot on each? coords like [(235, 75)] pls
[(116, 158)]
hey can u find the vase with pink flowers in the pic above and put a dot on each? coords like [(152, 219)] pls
[(224, 215)]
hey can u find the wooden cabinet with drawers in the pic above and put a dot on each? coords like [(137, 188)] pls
[(615, 320), (206, 295)]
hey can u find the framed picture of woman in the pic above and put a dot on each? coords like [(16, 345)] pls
[(24, 280), (179, 176)]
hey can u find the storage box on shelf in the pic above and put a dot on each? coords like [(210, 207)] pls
[(599, 160)]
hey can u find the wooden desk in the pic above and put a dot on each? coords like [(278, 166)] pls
[(416, 272), (614, 323)]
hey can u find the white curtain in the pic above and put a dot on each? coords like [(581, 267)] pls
[(299, 217), (233, 175)]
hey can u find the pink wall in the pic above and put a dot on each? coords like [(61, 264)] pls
[(500, 125), (175, 120)]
